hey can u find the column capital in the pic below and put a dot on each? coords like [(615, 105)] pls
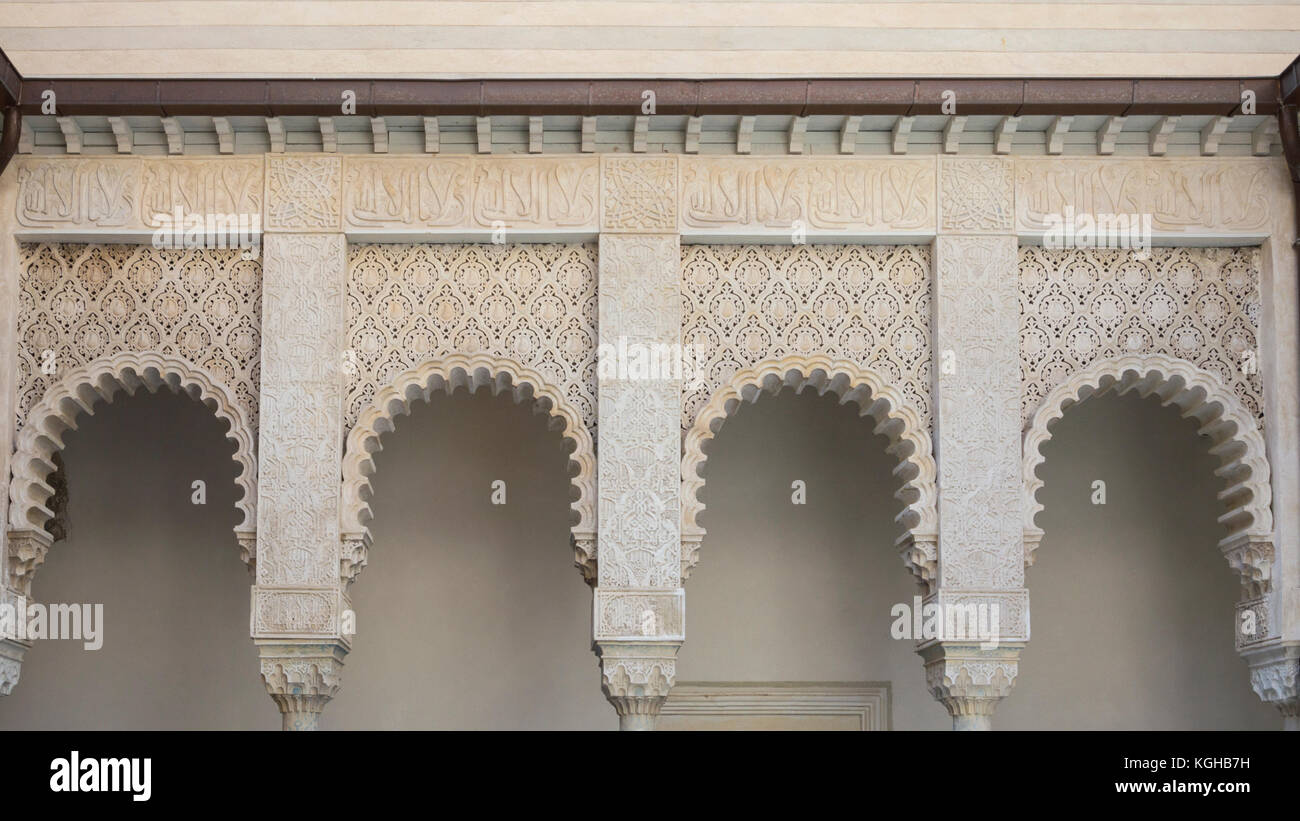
[(636, 679), (301, 678), (969, 681), (1275, 677), (11, 664)]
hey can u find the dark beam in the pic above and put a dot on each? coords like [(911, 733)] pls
[(170, 98), (11, 82)]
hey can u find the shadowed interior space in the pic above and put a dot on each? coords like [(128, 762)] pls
[(470, 614), (176, 652), (1132, 600)]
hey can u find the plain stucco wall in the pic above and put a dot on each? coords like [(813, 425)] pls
[(471, 615)]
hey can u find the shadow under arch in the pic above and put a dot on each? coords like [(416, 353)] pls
[(894, 417), (79, 392), (445, 374), (1199, 394)]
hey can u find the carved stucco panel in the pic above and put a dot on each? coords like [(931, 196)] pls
[(1181, 195), (484, 193), (865, 304), (729, 195), (977, 428), (533, 304), (201, 187), (639, 194), (125, 194), (631, 615), (1197, 304), (976, 195), (81, 303), (302, 409), (55, 194), (303, 193), (640, 511)]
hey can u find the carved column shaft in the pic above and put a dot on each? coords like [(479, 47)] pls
[(638, 610), (977, 386), (299, 601)]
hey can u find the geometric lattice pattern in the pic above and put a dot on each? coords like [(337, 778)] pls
[(1197, 304), (869, 304), (80, 303), (534, 304)]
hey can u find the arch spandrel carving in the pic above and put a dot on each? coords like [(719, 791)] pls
[(908, 436), (1198, 394), (746, 304), (531, 304), (1197, 304), (79, 391), (471, 371)]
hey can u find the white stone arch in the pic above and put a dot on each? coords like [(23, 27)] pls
[(80, 390), (474, 371), (909, 442), (1198, 394)]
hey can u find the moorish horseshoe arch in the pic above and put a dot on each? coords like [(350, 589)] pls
[(1196, 393), (472, 372), (909, 442), (78, 392)]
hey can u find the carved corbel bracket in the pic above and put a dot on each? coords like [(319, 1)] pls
[(920, 552), (1252, 557), (27, 549), (11, 664), (692, 538), (584, 556), (354, 555), (248, 549)]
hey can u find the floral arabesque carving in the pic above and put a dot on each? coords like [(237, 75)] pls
[(1231, 427), (472, 371), (81, 303), (532, 304), (870, 305), (909, 442), (80, 390), (1197, 304)]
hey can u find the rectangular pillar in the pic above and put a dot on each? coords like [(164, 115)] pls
[(977, 433), (299, 601), (638, 604)]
